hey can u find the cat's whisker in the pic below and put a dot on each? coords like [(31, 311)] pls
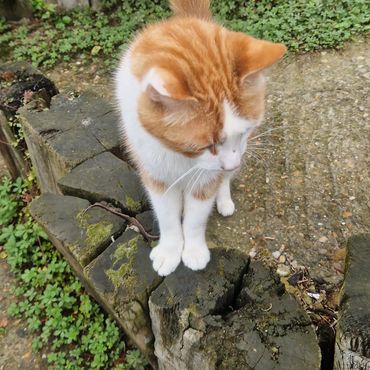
[(180, 178), (192, 178), (262, 144), (257, 158), (196, 180), (263, 149), (264, 133)]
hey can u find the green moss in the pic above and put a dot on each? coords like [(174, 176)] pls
[(221, 266), (171, 299), (125, 273), (132, 205), (96, 233), (126, 250), (122, 275)]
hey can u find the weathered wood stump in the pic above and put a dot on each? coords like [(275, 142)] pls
[(352, 349), (233, 315), (18, 82), (15, 9)]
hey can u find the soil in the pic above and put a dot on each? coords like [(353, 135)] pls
[(302, 191), (15, 339)]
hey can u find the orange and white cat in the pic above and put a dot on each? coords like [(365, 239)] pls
[(190, 92)]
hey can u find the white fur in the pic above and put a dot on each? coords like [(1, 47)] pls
[(179, 239), (225, 205)]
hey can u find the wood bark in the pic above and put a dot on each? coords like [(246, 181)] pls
[(352, 347), (15, 10), (12, 157)]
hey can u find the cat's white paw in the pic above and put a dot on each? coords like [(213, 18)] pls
[(225, 207), (165, 259), (197, 257)]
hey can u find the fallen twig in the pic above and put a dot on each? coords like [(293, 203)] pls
[(131, 220), (323, 311)]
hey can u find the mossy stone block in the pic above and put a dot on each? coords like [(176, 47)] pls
[(106, 178), (73, 130), (123, 276), (84, 235)]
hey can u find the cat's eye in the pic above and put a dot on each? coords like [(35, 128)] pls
[(212, 148)]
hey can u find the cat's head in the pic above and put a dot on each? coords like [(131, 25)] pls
[(203, 88)]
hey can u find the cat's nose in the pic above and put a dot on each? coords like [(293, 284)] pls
[(230, 161)]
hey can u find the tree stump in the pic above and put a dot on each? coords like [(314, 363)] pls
[(232, 315), (352, 348), (19, 82), (14, 10)]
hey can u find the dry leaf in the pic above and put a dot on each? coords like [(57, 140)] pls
[(7, 76), (4, 323), (347, 214)]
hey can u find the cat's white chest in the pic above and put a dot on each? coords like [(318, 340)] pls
[(161, 163)]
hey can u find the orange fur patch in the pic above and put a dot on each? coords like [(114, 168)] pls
[(201, 64), (210, 189), (153, 184)]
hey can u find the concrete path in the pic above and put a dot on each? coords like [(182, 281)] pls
[(306, 187)]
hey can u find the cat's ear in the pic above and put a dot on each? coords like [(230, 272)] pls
[(252, 55), (164, 87)]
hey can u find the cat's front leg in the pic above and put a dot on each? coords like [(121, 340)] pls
[(225, 205), (166, 256), (196, 254)]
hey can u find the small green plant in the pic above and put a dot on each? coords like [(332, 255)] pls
[(88, 35), (10, 199), (67, 324), (42, 9)]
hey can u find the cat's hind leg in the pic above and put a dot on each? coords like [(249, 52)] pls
[(166, 256), (225, 205)]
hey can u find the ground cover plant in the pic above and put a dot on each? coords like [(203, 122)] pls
[(51, 37), (66, 323)]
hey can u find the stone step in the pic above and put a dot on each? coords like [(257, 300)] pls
[(83, 235), (124, 278), (70, 132), (106, 178)]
